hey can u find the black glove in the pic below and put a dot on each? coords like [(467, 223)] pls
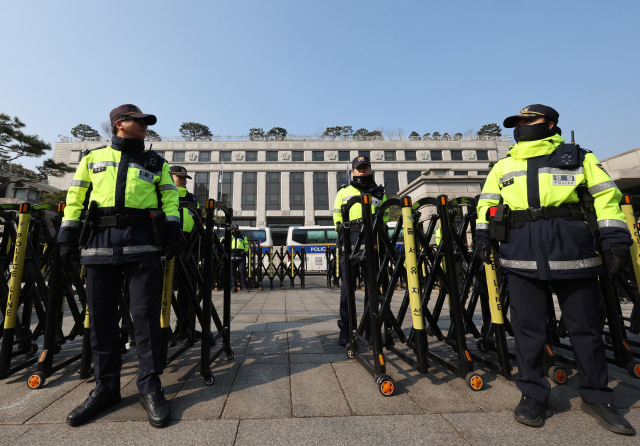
[(615, 258), (484, 250), (70, 249), (174, 239)]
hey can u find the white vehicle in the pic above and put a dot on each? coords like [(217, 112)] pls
[(261, 234), (315, 240)]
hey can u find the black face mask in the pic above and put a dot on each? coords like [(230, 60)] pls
[(533, 132), (362, 181)]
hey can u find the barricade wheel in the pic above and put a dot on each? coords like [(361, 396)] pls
[(634, 369), (215, 289), (33, 348), (557, 375), (482, 345), (230, 356), (474, 381), (351, 354), (36, 380), (208, 380), (386, 385), (362, 288), (260, 288)]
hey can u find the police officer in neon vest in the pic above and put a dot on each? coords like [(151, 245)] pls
[(362, 182), (129, 184), (545, 240), (239, 251), (179, 175)]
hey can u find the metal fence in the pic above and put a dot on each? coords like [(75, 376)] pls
[(292, 138)]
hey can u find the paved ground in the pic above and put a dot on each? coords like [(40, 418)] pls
[(290, 383)]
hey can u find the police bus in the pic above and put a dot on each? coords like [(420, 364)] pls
[(316, 239)]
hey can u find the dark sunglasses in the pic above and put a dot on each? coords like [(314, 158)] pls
[(138, 120)]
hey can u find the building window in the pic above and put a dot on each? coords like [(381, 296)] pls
[(33, 194), (389, 155), (410, 155), (438, 173), (296, 191), (483, 155), (320, 191), (318, 155), (460, 172), (297, 155), (204, 157), (225, 156), (413, 175), (160, 152), (272, 155), (76, 155), (325, 221), (273, 190), (483, 172), (456, 155), (341, 179), (436, 155), (178, 157), (391, 186), (366, 153), (249, 188), (226, 188), (344, 155), (251, 155), (19, 193), (202, 187)]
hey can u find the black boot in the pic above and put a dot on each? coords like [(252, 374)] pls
[(609, 418), (92, 406), (531, 412), (157, 407)]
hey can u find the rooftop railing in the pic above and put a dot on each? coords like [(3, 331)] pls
[(292, 138)]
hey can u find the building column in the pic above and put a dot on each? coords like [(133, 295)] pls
[(403, 179), (237, 192), (379, 176), (333, 188), (261, 199), (284, 192), (213, 185), (309, 209)]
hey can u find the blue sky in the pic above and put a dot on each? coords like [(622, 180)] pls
[(418, 65)]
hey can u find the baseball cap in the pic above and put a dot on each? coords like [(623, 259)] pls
[(179, 171), (131, 111), (359, 161), (532, 111)]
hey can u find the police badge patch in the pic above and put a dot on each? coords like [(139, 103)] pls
[(564, 180), (600, 166), (146, 176)]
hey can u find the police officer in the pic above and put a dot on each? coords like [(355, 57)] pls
[(362, 182), (549, 244), (239, 251), (180, 175), (128, 184)]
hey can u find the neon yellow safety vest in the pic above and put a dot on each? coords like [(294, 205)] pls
[(187, 216), (121, 182), (547, 172), (355, 212)]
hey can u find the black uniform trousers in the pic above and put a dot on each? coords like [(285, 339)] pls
[(240, 265), (343, 322), (104, 285), (579, 301)]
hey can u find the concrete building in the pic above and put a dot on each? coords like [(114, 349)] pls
[(285, 183), (21, 186), (624, 170)]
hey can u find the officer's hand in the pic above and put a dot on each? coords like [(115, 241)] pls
[(173, 239), (484, 250), (615, 258), (70, 248)]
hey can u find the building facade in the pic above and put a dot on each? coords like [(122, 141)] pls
[(294, 183)]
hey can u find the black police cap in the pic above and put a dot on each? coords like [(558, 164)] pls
[(130, 111), (359, 161), (531, 112), (179, 171)]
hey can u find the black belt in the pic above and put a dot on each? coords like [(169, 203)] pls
[(567, 210), (123, 220)]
